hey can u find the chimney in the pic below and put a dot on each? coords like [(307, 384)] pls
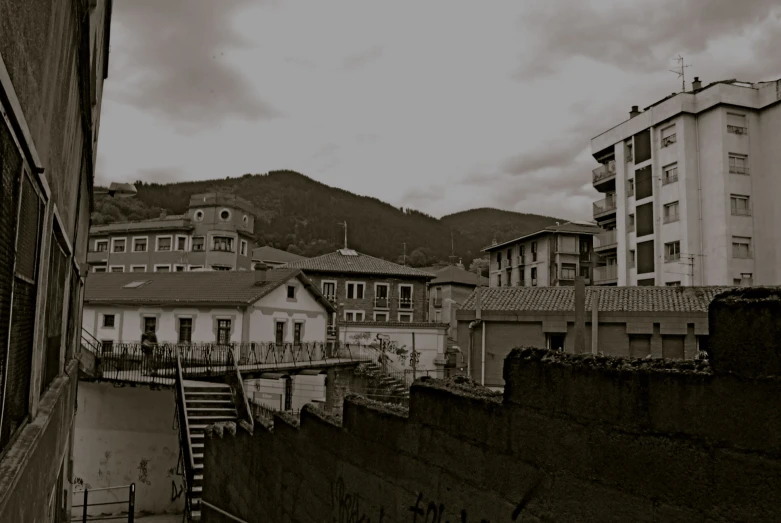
[(696, 84), (261, 271), (634, 112)]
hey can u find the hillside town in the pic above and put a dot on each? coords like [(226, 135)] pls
[(182, 363)]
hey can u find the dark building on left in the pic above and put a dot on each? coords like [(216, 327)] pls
[(53, 62)]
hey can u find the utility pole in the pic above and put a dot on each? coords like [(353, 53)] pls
[(452, 248), (404, 256), (344, 224), (680, 71)]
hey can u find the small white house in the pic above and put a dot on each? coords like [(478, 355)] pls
[(277, 305)]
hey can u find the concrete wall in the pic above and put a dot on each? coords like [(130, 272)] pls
[(126, 435), (573, 438), (430, 342)]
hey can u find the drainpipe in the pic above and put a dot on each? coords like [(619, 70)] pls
[(482, 359)]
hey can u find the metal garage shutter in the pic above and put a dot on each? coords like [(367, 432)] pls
[(672, 347), (639, 345)]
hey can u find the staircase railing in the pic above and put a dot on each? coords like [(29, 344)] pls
[(234, 380), (185, 442), (130, 502)]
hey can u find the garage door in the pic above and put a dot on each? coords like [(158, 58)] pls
[(639, 346), (672, 347)]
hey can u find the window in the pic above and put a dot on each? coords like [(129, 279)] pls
[(140, 244), (243, 248), (673, 284), (747, 278), (740, 205), (196, 267), (222, 243), (198, 216), (180, 268), (509, 255), (632, 259), (671, 212), (668, 136), (629, 156), (298, 328), (405, 317), (645, 219), (117, 268), (405, 296), (738, 164), (645, 257), (185, 330), (138, 268), (225, 215), (630, 226), (646, 282), (329, 290), (670, 174), (118, 245), (741, 247), (736, 123), (223, 331), (522, 253), (585, 272), (99, 269), (643, 183), (353, 315), (181, 243), (672, 251), (108, 321), (355, 291), (534, 276), (101, 245), (438, 316), (499, 259), (534, 251), (736, 282), (291, 292), (245, 220), (642, 146), (197, 244), (380, 316), (150, 324), (221, 267), (568, 271), (162, 268), (630, 187), (381, 294), (163, 243)]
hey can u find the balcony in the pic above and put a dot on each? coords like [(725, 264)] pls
[(671, 218), (519, 260), (605, 206), (566, 275), (606, 241), (734, 129), (605, 274), (381, 302), (630, 158), (405, 303), (604, 173), (734, 169), (669, 140)]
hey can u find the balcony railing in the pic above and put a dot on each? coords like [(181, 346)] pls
[(606, 240), (670, 258), (670, 218), (381, 302), (734, 129), (741, 211), (666, 180), (605, 273), (567, 274), (669, 140), (734, 169), (405, 303), (605, 206), (604, 172)]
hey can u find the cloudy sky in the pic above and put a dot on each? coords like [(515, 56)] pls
[(439, 105)]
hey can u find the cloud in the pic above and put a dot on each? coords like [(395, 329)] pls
[(160, 175), (635, 36), (360, 60), (423, 196), (175, 63)]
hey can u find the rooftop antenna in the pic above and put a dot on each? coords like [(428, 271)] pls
[(680, 71)]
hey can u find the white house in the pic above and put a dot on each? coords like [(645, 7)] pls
[(277, 305)]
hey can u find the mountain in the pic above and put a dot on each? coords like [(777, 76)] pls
[(301, 215)]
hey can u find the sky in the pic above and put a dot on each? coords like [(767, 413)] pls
[(441, 106)]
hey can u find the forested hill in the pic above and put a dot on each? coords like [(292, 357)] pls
[(302, 215)]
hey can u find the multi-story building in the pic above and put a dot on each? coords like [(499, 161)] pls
[(691, 187), (53, 61), (366, 288), (216, 233), (551, 257)]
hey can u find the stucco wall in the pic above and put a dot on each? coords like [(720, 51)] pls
[(276, 307), (126, 435), (573, 438)]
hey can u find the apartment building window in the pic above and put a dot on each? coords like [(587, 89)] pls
[(747, 278), (509, 256), (329, 290), (668, 136), (180, 268), (117, 268), (672, 251), (291, 292), (670, 174), (223, 331), (196, 267), (381, 294), (534, 251), (118, 244), (354, 315), (150, 324), (162, 268), (585, 249), (736, 123), (642, 146), (298, 329), (673, 284), (632, 259), (405, 317), (644, 183), (185, 330), (163, 243), (138, 268), (568, 271), (405, 296), (585, 272), (222, 243), (101, 245), (629, 157), (197, 244), (671, 212), (534, 276), (243, 248), (740, 205), (181, 243), (355, 290), (140, 244), (499, 260), (645, 219), (99, 269), (108, 321), (498, 280), (630, 187), (521, 253), (630, 225), (380, 316), (741, 247), (645, 257), (738, 164), (222, 268)]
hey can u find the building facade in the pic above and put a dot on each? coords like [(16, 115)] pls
[(53, 62), (550, 257), (365, 288), (636, 322), (690, 188), (216, 233)]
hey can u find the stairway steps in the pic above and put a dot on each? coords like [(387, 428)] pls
[(213, 419), (222, 401), (197, 445), (198, 489), (198, 477), (211, 409)]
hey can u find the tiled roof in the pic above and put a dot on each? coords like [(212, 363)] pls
[(611, 299), (230, 288), (568, 227), (168, 223), (267, 253), (454, 274), (336, 262)]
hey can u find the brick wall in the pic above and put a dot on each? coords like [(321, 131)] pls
[(574, 438)]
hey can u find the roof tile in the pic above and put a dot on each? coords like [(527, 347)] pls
[(358, 264)]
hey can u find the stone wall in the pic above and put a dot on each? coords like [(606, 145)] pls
[(573, 438)]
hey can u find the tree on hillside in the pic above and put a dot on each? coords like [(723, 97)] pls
[(479, 266), (294, 249)]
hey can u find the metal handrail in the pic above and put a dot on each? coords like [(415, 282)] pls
[(131, 504), (224, 513), (184, 424)]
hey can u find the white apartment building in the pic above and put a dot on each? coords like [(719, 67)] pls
[(692, 187)]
